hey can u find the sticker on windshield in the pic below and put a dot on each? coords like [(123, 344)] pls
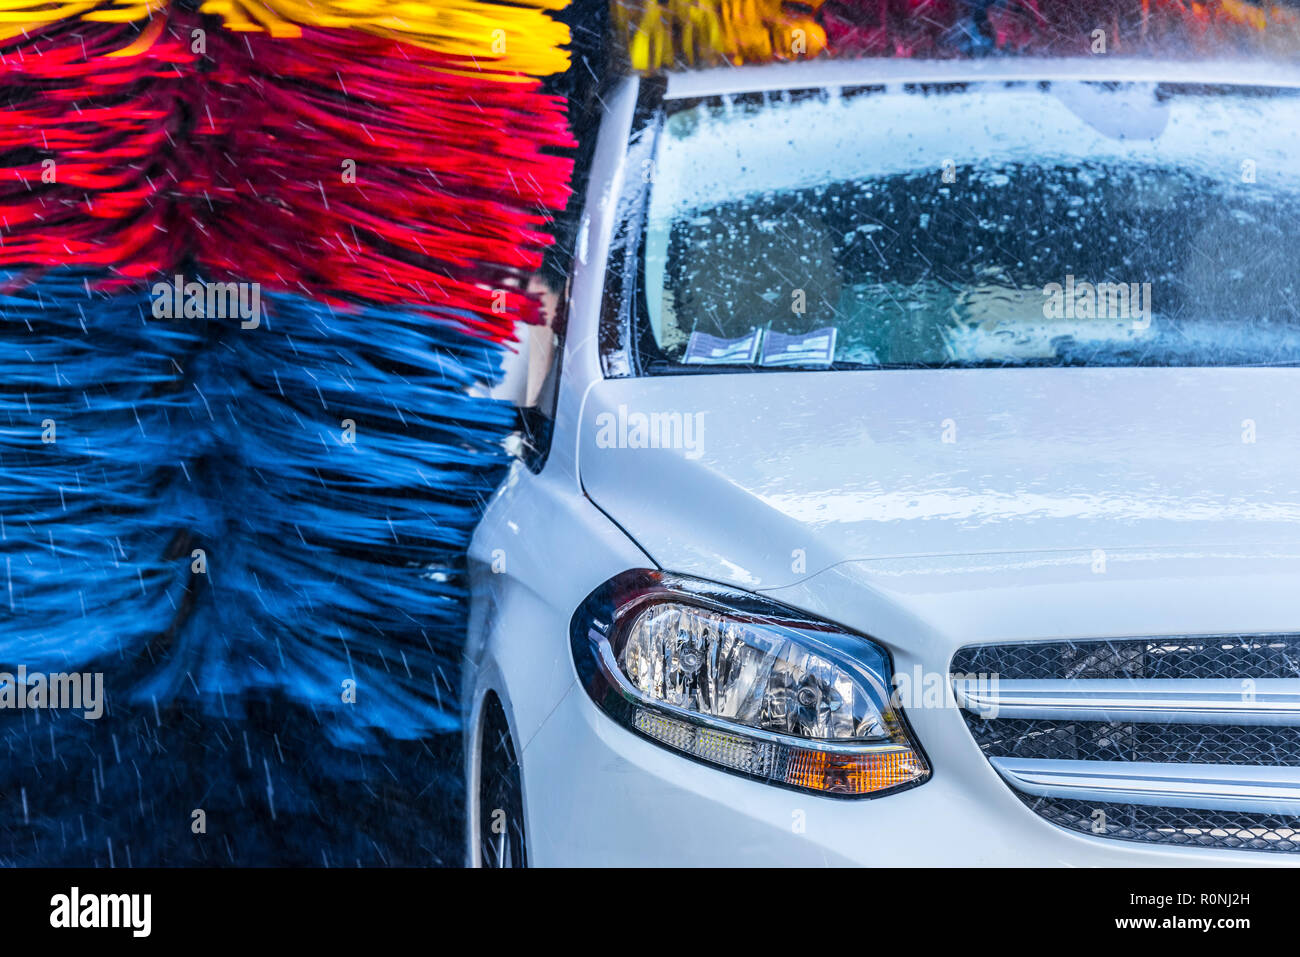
[(816, 348), (704, 349)]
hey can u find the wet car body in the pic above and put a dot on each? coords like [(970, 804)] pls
[(1117, 535)]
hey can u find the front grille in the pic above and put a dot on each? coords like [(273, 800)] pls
[(1187, 741)]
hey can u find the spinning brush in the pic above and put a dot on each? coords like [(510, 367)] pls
[(282, 505), (667, 34)]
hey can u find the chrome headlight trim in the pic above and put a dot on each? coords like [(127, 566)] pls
[(600, 624)]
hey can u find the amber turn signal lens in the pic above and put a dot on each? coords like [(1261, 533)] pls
[(853, 773)]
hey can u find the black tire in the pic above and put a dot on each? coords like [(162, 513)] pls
[(500, 793)]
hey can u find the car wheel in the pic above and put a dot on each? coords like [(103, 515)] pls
[(501, 797)]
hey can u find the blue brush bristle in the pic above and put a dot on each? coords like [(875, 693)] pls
[(330, 466), (89, 451)]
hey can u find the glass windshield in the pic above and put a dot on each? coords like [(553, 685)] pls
[(998, 224)]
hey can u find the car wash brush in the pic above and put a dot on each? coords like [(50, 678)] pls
[(254, 257)]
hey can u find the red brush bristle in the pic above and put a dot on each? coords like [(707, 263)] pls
[(452, 175), (90, 154), (342, 166)]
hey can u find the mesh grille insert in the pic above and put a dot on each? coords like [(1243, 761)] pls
[(1110, 741), (1186, 827), (1229, 656)]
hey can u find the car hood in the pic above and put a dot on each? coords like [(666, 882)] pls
[(764, 480)]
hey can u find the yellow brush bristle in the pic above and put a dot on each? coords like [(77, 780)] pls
[(664, 33), (515, 38)]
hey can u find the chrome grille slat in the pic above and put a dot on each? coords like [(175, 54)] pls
[(1221, 787), (1268, 701)]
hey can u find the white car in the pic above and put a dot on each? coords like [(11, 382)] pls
[(918, 482)]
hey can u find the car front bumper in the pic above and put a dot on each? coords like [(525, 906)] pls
[(599, 795)]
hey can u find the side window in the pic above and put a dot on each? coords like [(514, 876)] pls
[(542, 348), (537, 369)]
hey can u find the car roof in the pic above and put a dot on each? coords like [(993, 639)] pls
[(822, 73)]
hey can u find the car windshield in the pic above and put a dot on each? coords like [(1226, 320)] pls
[(966, 225)]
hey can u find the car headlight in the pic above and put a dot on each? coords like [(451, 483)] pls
[(745, 684)]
